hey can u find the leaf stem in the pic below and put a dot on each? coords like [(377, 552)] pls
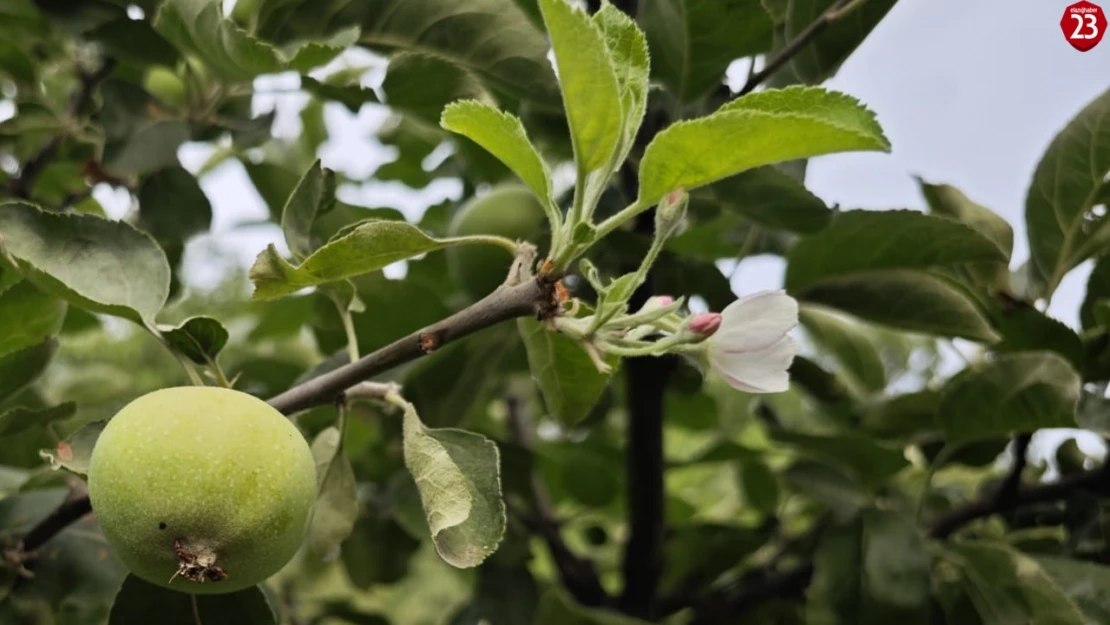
[(217, 371), (615, 221), (349, 330), (509, 245), (196, 610)]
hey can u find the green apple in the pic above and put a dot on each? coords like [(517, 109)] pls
[(509, 210), (164, 84), (202, 489)]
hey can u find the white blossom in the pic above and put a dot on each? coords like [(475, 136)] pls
[(752, 349)]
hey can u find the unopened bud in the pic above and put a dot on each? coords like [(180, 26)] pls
[(663, 300), (670, 211), (705, 324)]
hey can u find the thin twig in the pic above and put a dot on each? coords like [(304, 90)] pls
[(21, 185), (577, 573), (838, 10)]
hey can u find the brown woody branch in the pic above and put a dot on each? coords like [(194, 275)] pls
[(532, 297)]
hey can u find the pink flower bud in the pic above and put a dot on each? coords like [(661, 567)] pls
[(705, 324), (663, 300)]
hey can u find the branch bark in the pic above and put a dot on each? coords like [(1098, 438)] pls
[(533, 296), (795, 45)]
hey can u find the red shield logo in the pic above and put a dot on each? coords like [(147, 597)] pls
[(1083, 24)]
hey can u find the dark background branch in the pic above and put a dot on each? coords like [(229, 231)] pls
[(578, 574)]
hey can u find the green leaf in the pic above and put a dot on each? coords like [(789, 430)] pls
[(502, 135), (693, 42), (906, 299), (948, 201), (864, 240), (871, 462), (139, 602), (1024, 328), (774, 199), (458, 476), (199, 339), (313, 54), (421, 85), (172, 206), (350, 94), (377, 552), (135, 41), (366, 247), (22, 367), (568, 379), (1007, 586), (74, 453), (820, 59), (514, 61), (337, 498), (1019, 392), (1098, 288), (313, 195), (896, 562), (99, 265), (629, 50), (15, 420), (591, 95), (828, 484), (27, 316), (1065, 188), (1087, 584), (199, 28), (758, 129), (849, 342)]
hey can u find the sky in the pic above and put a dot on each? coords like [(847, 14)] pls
[(970, 93)]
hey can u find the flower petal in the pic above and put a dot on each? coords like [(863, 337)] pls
[(756, 321), (759, 371)]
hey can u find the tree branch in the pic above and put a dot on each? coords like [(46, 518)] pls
[(533, 296), (577, 574), (21, 185), (838, 10)]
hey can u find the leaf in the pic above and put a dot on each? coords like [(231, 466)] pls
[(139, 602), (514, 61), (1007, 586), (820, 59), (869, 461), (866, 240), (73, 454), (1087, 584), (774, 199), (16, 420), (1024, 328), (829, 485), (351, 95), (458, 476), (948, 201), (28, 316), (199, 339), (199, 28), (629, 50), (138, 139), (313, 195), (135, 41), (502, 135), (1098, 288), (906, 299), (421, 85), (1065, 188), (1019, 392), (377, 552), (568, 379), (591, 95), (849, 343), (896, 561), (22, 367), (693, 41), (366, 247), (313, 54), (758, 129), (172, 206), (99, 265), (337, 500)]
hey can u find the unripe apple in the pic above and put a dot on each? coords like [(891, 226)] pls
[(165, 85), (202, 489), (509, 210)]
